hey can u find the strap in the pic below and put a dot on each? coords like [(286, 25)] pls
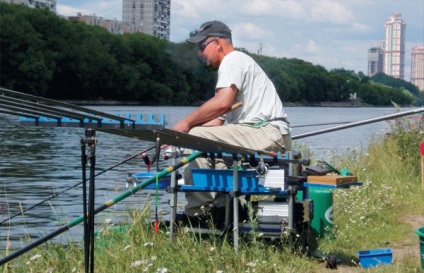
[(280, 119)]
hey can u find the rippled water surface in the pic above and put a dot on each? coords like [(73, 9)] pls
[(38, 162)]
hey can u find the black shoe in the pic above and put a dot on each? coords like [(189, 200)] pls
[(202, 221)]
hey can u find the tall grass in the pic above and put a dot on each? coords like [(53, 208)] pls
[(372, 215), (365, 217)]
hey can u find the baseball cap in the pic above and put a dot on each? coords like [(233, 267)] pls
[(210, 29)]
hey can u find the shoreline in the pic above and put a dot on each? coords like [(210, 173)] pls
[(136, 103)]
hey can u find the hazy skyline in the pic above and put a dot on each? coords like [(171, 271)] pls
[(332, 33)]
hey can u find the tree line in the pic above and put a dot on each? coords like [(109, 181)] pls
[(46, 55)]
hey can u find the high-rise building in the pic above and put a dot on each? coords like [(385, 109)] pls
[(394, 47), (375, 61), (152, 17), (50, 4), (417, 67)]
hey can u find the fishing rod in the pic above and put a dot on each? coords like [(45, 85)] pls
[(103, 207), (358, 123), (319, 124), (76, 185), (72, 107)]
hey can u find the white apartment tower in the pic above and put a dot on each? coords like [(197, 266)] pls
[(417, 67), (394, 47), (50, 4), (151, 17)]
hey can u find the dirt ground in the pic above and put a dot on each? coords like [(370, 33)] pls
[(408, 248)]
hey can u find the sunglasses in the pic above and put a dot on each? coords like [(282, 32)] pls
[(202, 46)]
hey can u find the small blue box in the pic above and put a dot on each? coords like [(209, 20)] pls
[(162, 183), (374, 257)]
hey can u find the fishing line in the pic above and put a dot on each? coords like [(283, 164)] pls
[(76, 185)]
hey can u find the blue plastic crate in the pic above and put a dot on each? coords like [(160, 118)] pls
[(374, 257), (223, 179)]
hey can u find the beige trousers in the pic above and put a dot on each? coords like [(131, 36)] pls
[(267, 138)]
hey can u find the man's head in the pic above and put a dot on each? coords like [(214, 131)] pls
[(213, 41), (210, 29)]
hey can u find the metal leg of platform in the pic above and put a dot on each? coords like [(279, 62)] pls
[(227, 211), (174, 195), (235, 204), (89, 140)]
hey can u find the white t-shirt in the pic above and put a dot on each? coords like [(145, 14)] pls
[(255, 90)]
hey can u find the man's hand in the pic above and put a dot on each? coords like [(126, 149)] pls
[(181, 126)]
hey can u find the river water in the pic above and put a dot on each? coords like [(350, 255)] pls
[(38, 162)]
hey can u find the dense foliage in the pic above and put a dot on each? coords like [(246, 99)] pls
[(44, 54)]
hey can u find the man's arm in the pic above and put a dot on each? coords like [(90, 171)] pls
[(209, 111), (214, 122)]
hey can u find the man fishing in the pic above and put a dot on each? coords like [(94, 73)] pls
[(260, 123)]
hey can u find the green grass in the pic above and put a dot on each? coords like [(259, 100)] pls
[(365, 217)]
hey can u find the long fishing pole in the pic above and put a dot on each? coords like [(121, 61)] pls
[(76, 185), (106, 205), (358, 123), (319, 124)]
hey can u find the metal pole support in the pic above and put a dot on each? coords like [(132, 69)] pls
[(89, 140)]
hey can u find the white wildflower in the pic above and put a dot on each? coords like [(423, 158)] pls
[(251, 264), (37, 256), (136, 264), (148, 244), (162, 270), (212, 249), (153, 258)]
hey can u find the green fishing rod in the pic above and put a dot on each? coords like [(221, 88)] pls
[(103, 207)]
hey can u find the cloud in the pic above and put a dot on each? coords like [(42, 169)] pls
[(111, 9), (70, 11), (273, 9), (251, 31), (360, 28), (330, 11), (312, 47)]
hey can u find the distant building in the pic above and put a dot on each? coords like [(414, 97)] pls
[(151, 17), (112, 26), (394, 47), (50, 4), (417, 67), (375, 61)]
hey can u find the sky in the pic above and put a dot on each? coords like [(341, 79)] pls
[(331, 33)]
